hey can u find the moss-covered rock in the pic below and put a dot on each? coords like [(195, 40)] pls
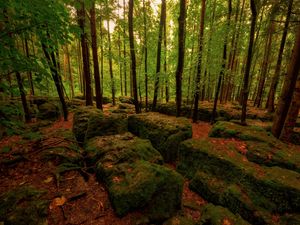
[(23, 206), (164, 132), (113, 149), (247, 133), (281, 186), (268, 154), (126, 99), (144, 185), (217, 215), (48, 111), (106, 125), (81, 119)]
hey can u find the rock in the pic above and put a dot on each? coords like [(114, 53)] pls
[(179, 220), (81, 119), (106, 100), (23, 206), (126, 99), (128, 166), (48, 111), (278, 185), (247, 133), (217, 215), (125, 147), (164, 132)]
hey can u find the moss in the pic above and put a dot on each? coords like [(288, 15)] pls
[(106, 125), (280, 155), (279, 185), (141, 184), (121, 148), (217, 215), (126, 99), (246, 133), (48, 111), (23, 206), (179, 220), (80, 121), (164, 132)]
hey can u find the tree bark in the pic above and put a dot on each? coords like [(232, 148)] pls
[(197, 88), (95, 57), (288, 88), (85, 55), (102, 55), (29, 72), (23, 97), (248, 64), (161, 24), (275, 79), (180, 62), (146, 55), (70, 72), (124, 50), (132, 54)]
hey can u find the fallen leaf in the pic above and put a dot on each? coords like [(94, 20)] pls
[(48, 180), (58, 202)]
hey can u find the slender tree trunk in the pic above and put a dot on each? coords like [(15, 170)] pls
[(288, 88), (180, 62), (265, 64), (81, 84), (197, 88), (167, 94), (161, 24), (102, 55), (124, 50), (85, 55), (222, 72), (119, 53), (23, 97), (29, 72), (146, 54), (70, 72), (95, 57), (248, 64), (113, 92), (275, 79), (132, 54)]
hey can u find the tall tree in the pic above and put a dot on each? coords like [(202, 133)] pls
[(124, 49), (95, 57), (248, 63), (180, 62), (132, 54), (146, 54), (275, 78), (85, 54), (222, 72), (197, 88), (287, 89), (158, 58)]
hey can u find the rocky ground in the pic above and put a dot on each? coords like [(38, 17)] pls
[(119, 168)]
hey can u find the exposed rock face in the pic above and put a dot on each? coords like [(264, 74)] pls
[(164, 132), (130, 168)]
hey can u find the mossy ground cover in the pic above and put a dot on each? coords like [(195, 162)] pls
[(164, 132)]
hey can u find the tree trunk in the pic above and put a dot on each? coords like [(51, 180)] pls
[(275, 79), (180, 62), (161, 24), (23, 97), (222, 72), (165, 62), (288, 88), (111, 65), (197, 88), (95, 57), (124, 50), (85, 55), (70, 72), (248, 64), (29, 72), (132, 54), (146, 55), (102, 55)]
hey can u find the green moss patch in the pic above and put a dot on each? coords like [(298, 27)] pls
[(48, 111), (164, 132), (218, 215), (23, 206)]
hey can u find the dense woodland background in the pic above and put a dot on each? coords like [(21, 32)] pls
[(244, 51)]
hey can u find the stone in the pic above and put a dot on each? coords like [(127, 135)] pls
[(48, 111)]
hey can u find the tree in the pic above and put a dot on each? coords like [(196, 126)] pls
[(132, 54), (197, 89), (287, 89), (275, 79), (85, 54), (95, 57), (248, 63), (158, 58), (146, 54), (180, 63)]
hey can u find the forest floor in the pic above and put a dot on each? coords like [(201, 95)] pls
[(75, 200)]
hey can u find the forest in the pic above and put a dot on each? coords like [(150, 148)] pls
[(178, 112)]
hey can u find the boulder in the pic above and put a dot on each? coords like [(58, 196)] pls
[(129, 166), (126, 99), (164, 132), (48, 111)]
